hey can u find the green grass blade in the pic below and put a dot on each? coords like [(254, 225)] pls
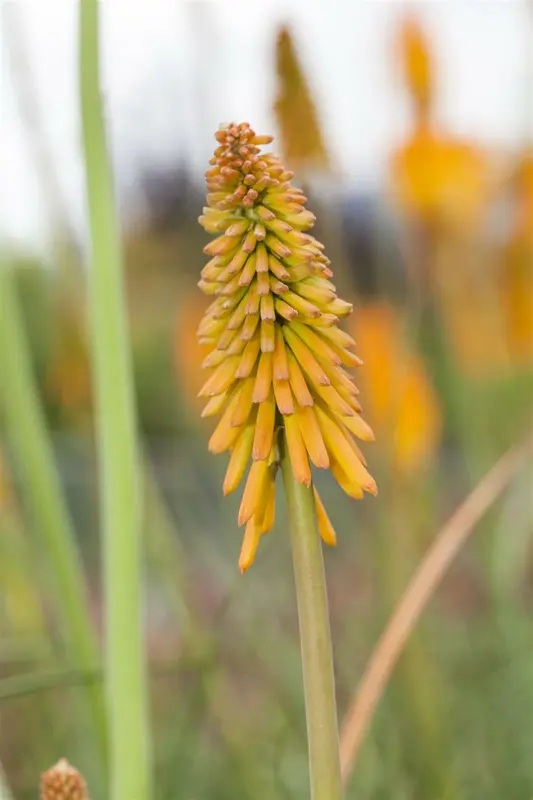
[(42, 492), (120, 478)]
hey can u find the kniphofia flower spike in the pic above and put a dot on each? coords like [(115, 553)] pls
[(277, 355)]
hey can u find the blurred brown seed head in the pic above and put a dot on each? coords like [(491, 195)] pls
[(63, 782)]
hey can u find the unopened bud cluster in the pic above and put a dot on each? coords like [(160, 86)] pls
[(278, 356), (63, 782)]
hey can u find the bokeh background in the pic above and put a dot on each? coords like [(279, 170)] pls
[(410, 126)]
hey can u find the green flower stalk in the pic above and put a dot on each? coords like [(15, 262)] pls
[(278, 356), (125, 657)]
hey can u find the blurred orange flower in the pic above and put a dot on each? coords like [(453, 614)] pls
[(68, 377), (517, 268), (402, 403), (302, 143), (440, 180), (524, 185), (475, 332), (188, 353), (517, 299), (415, 58)]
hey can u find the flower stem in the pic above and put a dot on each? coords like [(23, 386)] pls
[(125, 671), (315, 638)]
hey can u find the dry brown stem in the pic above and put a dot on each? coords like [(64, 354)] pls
[(416, 596)]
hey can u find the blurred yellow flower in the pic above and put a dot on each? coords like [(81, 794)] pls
[(439, 180), (524, 187), (415, 59), (68, 377), (517, 298), (302, 143), (517, 269), (278, 359), (402, 404)]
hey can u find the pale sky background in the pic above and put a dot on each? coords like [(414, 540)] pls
[(161, 56)]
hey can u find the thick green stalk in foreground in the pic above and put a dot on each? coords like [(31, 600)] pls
[(41, 489), (315, 638), (125, 672)]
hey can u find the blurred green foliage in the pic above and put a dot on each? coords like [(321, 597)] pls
[(226, 695)]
